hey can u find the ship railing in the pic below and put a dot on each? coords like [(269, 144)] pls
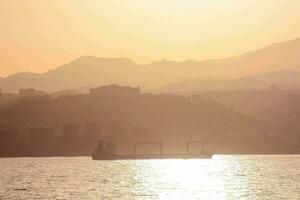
[(160, 144)]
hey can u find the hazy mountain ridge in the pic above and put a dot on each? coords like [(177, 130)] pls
[(88, 71), (85, 71), (275, 57), (287, 79)]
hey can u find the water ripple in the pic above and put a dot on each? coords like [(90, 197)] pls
[(223, 177)]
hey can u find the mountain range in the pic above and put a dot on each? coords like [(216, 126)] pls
[(276, 64)]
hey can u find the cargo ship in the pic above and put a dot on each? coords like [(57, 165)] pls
[(104, 151)]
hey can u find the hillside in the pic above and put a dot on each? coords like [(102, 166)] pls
[(168, 118), (286, 79)]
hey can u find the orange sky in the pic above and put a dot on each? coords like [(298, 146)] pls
[(37, 35)]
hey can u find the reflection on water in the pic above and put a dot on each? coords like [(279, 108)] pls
[(223, 177)]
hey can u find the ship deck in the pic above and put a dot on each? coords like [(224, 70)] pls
[(207, 155)]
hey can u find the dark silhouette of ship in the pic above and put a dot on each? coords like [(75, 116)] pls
[(105, 151)]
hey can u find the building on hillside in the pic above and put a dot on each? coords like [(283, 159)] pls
[(12, 143), (30, 92), (115, 91), (71, 133), (41, 140)]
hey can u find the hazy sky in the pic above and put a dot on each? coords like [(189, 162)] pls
[(36, 35)]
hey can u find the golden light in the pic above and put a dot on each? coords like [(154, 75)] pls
[(46, 34), (185, 177)]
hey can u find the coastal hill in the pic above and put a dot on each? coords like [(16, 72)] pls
[(72, 125), (88, 71)]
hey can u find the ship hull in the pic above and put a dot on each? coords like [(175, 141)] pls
[(205, 155)]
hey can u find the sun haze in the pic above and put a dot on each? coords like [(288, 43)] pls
[(38, 35)]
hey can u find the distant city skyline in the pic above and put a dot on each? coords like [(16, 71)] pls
[(39, 35)]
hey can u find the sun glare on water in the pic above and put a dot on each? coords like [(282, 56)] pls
[(186, 178)]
